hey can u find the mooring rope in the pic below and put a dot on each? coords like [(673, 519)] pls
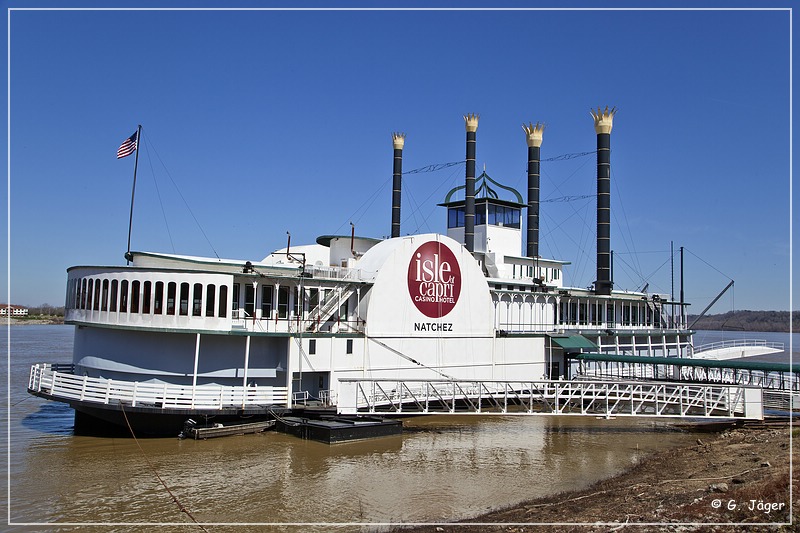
[(282, 420), (175, 499)]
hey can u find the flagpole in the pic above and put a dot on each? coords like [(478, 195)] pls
[(128, 256)]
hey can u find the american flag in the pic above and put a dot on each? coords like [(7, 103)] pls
[(128, 146)]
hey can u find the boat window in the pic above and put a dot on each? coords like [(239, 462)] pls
[(96, 301), (135, 296), (184, 303), (104, 300), (236, 290), (197, 300), (249, 300), (349, 346), (313, 300), (158, 300), (266, 300), (312, 346), (297, 302), (123, 296), (172, 288), (504, 216), (114, 289), (89, 291), (223, 301), (283, 302), (210, 293), (83, 294), (480, 214), (455, 217), (147, 296)]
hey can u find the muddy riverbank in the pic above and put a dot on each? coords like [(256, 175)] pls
[(736, 476)]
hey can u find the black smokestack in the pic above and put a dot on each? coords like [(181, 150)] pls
[(603, 121), (471, 123), (533, 135), (398, 139)]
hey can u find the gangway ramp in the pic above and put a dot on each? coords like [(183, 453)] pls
[(547, 397)]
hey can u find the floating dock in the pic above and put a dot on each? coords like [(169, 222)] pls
[(220, 430), (339, 429)]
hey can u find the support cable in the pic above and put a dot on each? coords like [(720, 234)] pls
[(182, 198), (565, 157), (631, 246), (365, 205), (448, 180), (160, 202), (708, 264), (434, 167), (407, 358)]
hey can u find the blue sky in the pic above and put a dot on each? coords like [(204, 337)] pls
[(276, 121)]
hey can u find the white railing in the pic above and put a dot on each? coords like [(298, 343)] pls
[(595, 398), (735, 343), (67, 386), (773, 380)]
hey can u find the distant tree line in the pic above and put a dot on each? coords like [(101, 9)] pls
[(46, 310), (748, 321)]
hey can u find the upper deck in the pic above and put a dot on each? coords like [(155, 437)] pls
[(168, 292)]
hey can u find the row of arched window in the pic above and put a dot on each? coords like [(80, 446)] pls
[(146, 297)]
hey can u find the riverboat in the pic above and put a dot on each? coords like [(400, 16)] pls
[(170, 337)]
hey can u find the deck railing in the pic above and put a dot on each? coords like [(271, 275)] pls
[(53, 381), (736, 343), (596, 398)]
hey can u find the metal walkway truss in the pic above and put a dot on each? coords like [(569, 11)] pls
[(580, 397)]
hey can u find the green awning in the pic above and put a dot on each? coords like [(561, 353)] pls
[(573, 342)]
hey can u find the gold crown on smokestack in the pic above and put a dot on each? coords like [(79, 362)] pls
[(603, 120), (471, 122), (533, 134), (399, 140)]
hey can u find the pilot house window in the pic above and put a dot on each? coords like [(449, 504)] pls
[(455, 217)]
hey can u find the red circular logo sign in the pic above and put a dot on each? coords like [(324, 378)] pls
[(434, 279)]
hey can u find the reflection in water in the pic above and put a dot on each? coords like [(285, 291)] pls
[(442, 468), (446, 468)]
